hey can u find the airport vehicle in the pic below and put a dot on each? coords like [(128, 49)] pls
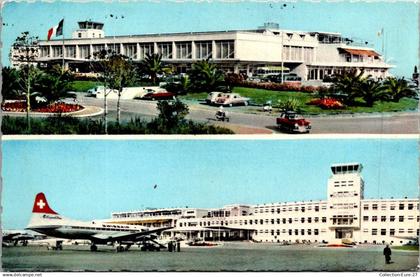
[(230, 99), (293, 122), (46, 221), (159, 95), (13, 237)]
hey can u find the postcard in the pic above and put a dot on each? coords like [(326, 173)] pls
[(210, 136), (210, 68)]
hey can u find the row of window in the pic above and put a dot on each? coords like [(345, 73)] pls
[(183, 50), (391, 232), (384, 207), (147, 214), (290, 209), (391, 218), (101, 229), (298, 53), (256, 221), (292, 232)]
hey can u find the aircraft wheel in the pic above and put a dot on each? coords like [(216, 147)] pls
[(93, 248)]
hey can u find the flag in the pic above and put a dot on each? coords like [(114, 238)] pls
[(56, 30)]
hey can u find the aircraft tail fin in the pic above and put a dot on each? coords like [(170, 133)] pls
[(41, 205)]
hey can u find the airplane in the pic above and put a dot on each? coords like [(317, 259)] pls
[(16, 236), (46, 221)]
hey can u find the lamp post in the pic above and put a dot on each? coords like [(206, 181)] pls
[(282, 56)]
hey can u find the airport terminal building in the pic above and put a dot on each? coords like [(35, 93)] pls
[(344, 217), (310, 55)]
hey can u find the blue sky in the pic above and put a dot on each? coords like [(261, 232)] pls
[(360, 20), (89, 179)]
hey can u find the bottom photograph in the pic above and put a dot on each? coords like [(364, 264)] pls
[(193, 204)]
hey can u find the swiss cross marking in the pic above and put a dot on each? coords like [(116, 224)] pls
[(40, 204)]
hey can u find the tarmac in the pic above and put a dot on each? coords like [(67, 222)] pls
[(240, 256)]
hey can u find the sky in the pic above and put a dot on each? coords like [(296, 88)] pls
[(89, 179), (359, 20)]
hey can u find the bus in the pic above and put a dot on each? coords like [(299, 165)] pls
[(265, 72)]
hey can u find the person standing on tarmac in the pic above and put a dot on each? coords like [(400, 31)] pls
[(387, 254)]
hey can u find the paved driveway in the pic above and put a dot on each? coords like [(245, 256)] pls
[(388, 123)]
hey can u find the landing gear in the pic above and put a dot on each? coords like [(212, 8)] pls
[(121, 248), (93, 248)]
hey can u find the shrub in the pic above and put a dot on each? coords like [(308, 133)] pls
[(291, 104), (71, 125)]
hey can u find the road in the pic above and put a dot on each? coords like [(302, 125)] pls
[(388, 123)]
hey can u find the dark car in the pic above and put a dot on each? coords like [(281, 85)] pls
[(159, 95), (293, 122)]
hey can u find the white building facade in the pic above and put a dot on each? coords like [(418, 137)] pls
[(345, 217), (311, 55)]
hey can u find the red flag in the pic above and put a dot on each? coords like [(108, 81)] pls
[(56, 30), (50, 32)]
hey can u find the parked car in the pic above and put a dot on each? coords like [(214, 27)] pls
[(293, 122), (159, 95), (95, 90), (213, 96), (254, 79), (230, 99)]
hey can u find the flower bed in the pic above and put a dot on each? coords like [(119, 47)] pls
[(327, 103), (287, 86), (20, 106)]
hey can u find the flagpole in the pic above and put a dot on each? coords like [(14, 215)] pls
[(63, 44)]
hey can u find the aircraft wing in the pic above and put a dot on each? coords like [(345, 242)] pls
[(406, 237), (10, 236), (124, 236)]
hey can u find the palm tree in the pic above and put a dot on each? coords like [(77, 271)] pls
[(152, 65), (346, 85), (54, 84), (206, 76), (10, 88), (397, 88), (370, 90)]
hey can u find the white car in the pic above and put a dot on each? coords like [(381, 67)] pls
[(95, 90), (213, 96), (230, 99)]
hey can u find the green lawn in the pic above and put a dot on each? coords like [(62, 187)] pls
[(260, 96), (83, 86), (407, 247)]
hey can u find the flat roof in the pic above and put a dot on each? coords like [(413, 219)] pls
[(253, 31)]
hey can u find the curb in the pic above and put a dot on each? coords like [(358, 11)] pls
[(97, 111)]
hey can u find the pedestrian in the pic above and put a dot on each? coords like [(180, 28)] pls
[(387, 254)]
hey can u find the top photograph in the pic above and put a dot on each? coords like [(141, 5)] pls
[(189, 68)]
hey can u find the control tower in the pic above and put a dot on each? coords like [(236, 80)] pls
[(345, 190), (89, 29)]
